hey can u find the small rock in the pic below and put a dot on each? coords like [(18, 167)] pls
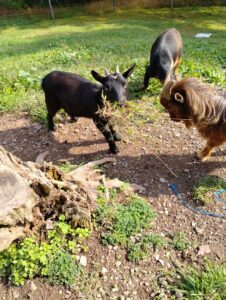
[(193, 224), (104, 271), (49, 224), (135, 293), (203, 250), (118, 264), (199, 230), (179, 295), (83, 261), (16, 294), (68, 292), (33, 286), (162, 179), (115, 289)]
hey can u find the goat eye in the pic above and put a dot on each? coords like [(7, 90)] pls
[(107, 88)]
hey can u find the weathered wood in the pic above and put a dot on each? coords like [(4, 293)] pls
[(33, 195)]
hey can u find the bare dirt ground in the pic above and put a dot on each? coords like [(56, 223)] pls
[(149, 162)]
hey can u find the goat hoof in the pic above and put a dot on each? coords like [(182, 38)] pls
[(74, 119), (200, 156), (114, 150)]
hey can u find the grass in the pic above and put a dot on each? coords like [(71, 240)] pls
[(180, 241), (210, 283), (124, 220), (33, 46), (127, 224), (206, 186)]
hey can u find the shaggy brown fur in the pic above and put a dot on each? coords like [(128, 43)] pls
[(200, 105)]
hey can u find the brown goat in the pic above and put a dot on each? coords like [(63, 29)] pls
[(199, 105)]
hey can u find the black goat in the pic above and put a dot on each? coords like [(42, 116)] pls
[(80, 97), (165, 57)]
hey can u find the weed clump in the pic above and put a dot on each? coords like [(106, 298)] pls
[(62, 269), (205, 187), (209, 283), (180, 241), (127, 224), (53, 258)]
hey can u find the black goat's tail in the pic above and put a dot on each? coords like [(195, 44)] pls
[(43, 83)]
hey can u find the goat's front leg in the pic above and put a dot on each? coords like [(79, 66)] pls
[(101, 124), (116, 135)]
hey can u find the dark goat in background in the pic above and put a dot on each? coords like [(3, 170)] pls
[(165, 57), (80, 97)]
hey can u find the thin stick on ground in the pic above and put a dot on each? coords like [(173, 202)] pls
[(157, 156)]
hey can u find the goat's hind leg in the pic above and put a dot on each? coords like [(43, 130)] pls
[(206, 152), (147, 76), (52, 108)]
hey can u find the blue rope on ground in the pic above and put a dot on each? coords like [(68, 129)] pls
[(174, 189)]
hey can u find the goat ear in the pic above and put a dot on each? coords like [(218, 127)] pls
[(178, 97), (97, 76), (128, 72)]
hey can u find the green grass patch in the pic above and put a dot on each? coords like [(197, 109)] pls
[(209, 283), (127, 224), (53, 258), (33, 46), (67, 167), (126, 220), (140, 249), (206, 186), (180, 241)]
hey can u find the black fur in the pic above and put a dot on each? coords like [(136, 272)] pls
[(80, 97), (165, 53)]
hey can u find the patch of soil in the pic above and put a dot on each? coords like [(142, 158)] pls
[(162, 154)]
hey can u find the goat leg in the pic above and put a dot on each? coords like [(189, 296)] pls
[(116, 135), (101, 124)]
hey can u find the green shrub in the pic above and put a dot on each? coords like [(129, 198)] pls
[(126, 220), (139, 250), (62, 269), (29, 258), (122, 224)]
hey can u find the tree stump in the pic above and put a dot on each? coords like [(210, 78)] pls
[(32, 194)]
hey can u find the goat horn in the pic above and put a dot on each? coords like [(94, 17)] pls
[(167, 89), (117, 69), (106, 72)]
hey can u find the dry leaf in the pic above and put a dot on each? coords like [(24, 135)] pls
[(41, 157)]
